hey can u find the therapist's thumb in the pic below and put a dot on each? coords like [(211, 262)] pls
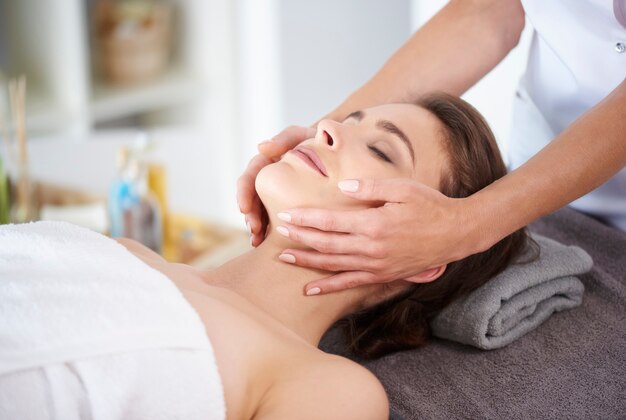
[(286, 140)]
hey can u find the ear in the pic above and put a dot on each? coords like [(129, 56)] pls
[(427, 276)]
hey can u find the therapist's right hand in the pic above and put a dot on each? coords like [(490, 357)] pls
[(270, 151)]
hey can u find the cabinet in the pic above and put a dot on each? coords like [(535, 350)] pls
[(53, 43), (76, 121)]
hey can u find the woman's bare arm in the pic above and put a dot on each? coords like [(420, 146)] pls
[(335, 389), (139, 249)]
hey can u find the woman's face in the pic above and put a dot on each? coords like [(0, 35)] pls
[(387, 141)]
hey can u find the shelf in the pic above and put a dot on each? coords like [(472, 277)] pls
[(53, 47), (110, 102)]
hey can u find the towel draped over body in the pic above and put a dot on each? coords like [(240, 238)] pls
[(89, 330)]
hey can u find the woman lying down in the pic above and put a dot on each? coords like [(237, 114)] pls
[(93, 328)]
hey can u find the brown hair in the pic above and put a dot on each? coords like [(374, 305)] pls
[(474, 161)]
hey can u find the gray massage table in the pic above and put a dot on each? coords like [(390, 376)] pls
[(572, 367)]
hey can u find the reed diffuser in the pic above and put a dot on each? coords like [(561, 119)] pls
[(23, 209), (5, 204), (5, 209)]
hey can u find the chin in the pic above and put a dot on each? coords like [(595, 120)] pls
[(282, 186)]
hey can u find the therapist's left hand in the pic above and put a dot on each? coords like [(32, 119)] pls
[(412, 236)]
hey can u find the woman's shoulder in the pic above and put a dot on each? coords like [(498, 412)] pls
[(326, 387)]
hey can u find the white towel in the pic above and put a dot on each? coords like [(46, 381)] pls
[(73, 299)]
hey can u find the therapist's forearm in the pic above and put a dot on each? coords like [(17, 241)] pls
[(451, 52), (581, 158)]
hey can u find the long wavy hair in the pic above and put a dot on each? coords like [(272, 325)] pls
[(474, 162)]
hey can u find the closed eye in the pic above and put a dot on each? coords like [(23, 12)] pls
[(378, 153)]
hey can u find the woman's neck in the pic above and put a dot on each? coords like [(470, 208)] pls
[(278, 289)]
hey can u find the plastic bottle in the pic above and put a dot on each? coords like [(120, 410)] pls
[(134, 210), (122, 194)]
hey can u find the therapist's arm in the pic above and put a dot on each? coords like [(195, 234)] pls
[(450, 52), (584, 156), (424, 229)]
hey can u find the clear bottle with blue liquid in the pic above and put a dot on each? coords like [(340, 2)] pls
[(133, 208), (123, 194)]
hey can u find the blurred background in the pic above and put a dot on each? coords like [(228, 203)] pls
[(108, 104)]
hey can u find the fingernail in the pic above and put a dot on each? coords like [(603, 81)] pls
[(283, 231), (264, 142), (313, 291), (251, 238), (349, 185), (288, 258), (284, 216), (249, 228)]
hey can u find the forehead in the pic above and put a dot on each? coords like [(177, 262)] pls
[(408, 117)]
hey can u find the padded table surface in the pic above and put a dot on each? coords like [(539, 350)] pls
[(572, 366)]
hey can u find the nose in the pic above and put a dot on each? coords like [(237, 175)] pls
[(329, 134)]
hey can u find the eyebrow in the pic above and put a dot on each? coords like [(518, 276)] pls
[(357, 115), (391, 128)]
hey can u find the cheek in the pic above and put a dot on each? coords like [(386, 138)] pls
[(372, 169), (366, 167), (281, 186)]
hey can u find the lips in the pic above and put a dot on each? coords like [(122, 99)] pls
[(310, 158)]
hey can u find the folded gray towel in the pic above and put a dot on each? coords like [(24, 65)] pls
[(517, 300)]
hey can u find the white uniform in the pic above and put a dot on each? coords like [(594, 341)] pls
[(577, 57)]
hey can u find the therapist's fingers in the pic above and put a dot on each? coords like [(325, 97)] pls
[(328, 262), (256, 218), (246, 191), (249, 202), (340, 281), (349, 221), (259, 232), (286, 140), (329, 242), (393, 190)]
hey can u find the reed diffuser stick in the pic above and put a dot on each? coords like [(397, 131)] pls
[(20, 134), (20, 123), (4, 129), (13, 107), (5, 206), (17, 98)]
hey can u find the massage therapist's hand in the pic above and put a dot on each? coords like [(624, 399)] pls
[(270, 151), (411, 237)]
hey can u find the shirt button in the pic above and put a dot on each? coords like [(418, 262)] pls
[(620, 47)]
